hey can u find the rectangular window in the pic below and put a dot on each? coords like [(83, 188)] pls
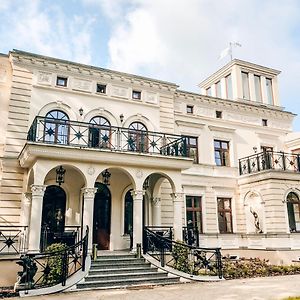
[(192, 147), (269, 91), (218, 89), (245, 80), (218, 114), (221, 153), (208, 91), (101, 88), (264, 122), (224, 215), (137, 95), (257, 85), (229, 86), (194, 212), (190, 109), (61, 81)]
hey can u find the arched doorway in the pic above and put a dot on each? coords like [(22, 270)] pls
[(53, 214), (102, 217)]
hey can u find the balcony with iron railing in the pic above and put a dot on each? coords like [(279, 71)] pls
[(106, 138), (269, 160)]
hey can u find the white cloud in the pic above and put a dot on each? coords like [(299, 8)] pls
[(180, 41), (47, 30)]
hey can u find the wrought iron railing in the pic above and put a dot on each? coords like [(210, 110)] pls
[(183, 257), (13, 239), (190, 235), (268, 160), (51, 268), (70, 236), (107, 138)]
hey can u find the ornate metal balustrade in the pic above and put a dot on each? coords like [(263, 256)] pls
[(269, 160), (70, 236), (183, 257), (107, 138), (52, 268), (190, 236), (13, 239)]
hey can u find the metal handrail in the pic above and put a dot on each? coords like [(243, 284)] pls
[(108, 138), (13, 239), (269, 160), (53, 267), (185, 258)]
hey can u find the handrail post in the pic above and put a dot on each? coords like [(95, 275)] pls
[(298, 163), (283, 161)]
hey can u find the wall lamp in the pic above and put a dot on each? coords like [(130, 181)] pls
[(121, 118), (81, 111)]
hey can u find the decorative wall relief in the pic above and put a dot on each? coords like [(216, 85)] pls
[(81, 85), (151, 97), (119, 91), (44, 78)]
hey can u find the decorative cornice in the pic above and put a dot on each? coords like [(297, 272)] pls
[(189, 124), (222, 129), (262, 109), (64, 66)]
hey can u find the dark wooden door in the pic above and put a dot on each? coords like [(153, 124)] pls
[(102, 216)]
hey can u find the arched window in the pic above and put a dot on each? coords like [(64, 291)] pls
[(293, 208), (56, 128), (137, 137), (128, 213), (99, 133)]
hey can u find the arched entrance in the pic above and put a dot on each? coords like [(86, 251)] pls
[(102, 217), (53, 214)]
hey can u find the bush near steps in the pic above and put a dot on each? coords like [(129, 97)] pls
[(255, 267)]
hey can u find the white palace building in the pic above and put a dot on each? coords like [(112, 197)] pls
[(82, 145)]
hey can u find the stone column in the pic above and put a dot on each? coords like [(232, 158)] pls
[(177, 217), (156, 220), (137, 197), (88, 213), (34, 230), (26, 209)]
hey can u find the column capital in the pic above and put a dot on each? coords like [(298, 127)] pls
[(89, 192), (156, 201), (38, 190), (177, 197), (137, 194)]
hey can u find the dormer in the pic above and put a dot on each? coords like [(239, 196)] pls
[(243, 81)]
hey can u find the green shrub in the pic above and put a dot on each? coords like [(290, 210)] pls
[(180, 255), (255, 267), (54, 263)]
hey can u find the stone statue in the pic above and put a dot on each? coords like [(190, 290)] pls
[(256, 221), (25, 277)]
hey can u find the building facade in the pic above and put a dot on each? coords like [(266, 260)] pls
[(82, 145)]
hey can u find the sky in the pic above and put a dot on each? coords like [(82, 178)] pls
[(172, 40)]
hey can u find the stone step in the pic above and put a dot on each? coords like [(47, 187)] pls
[(162, 280), (119, 265), (119, 256), (136, 269), (118, 276), (117, 260)]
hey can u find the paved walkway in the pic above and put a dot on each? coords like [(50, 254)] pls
[(271, 288)]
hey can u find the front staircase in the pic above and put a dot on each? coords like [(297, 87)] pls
[(122, 270)]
